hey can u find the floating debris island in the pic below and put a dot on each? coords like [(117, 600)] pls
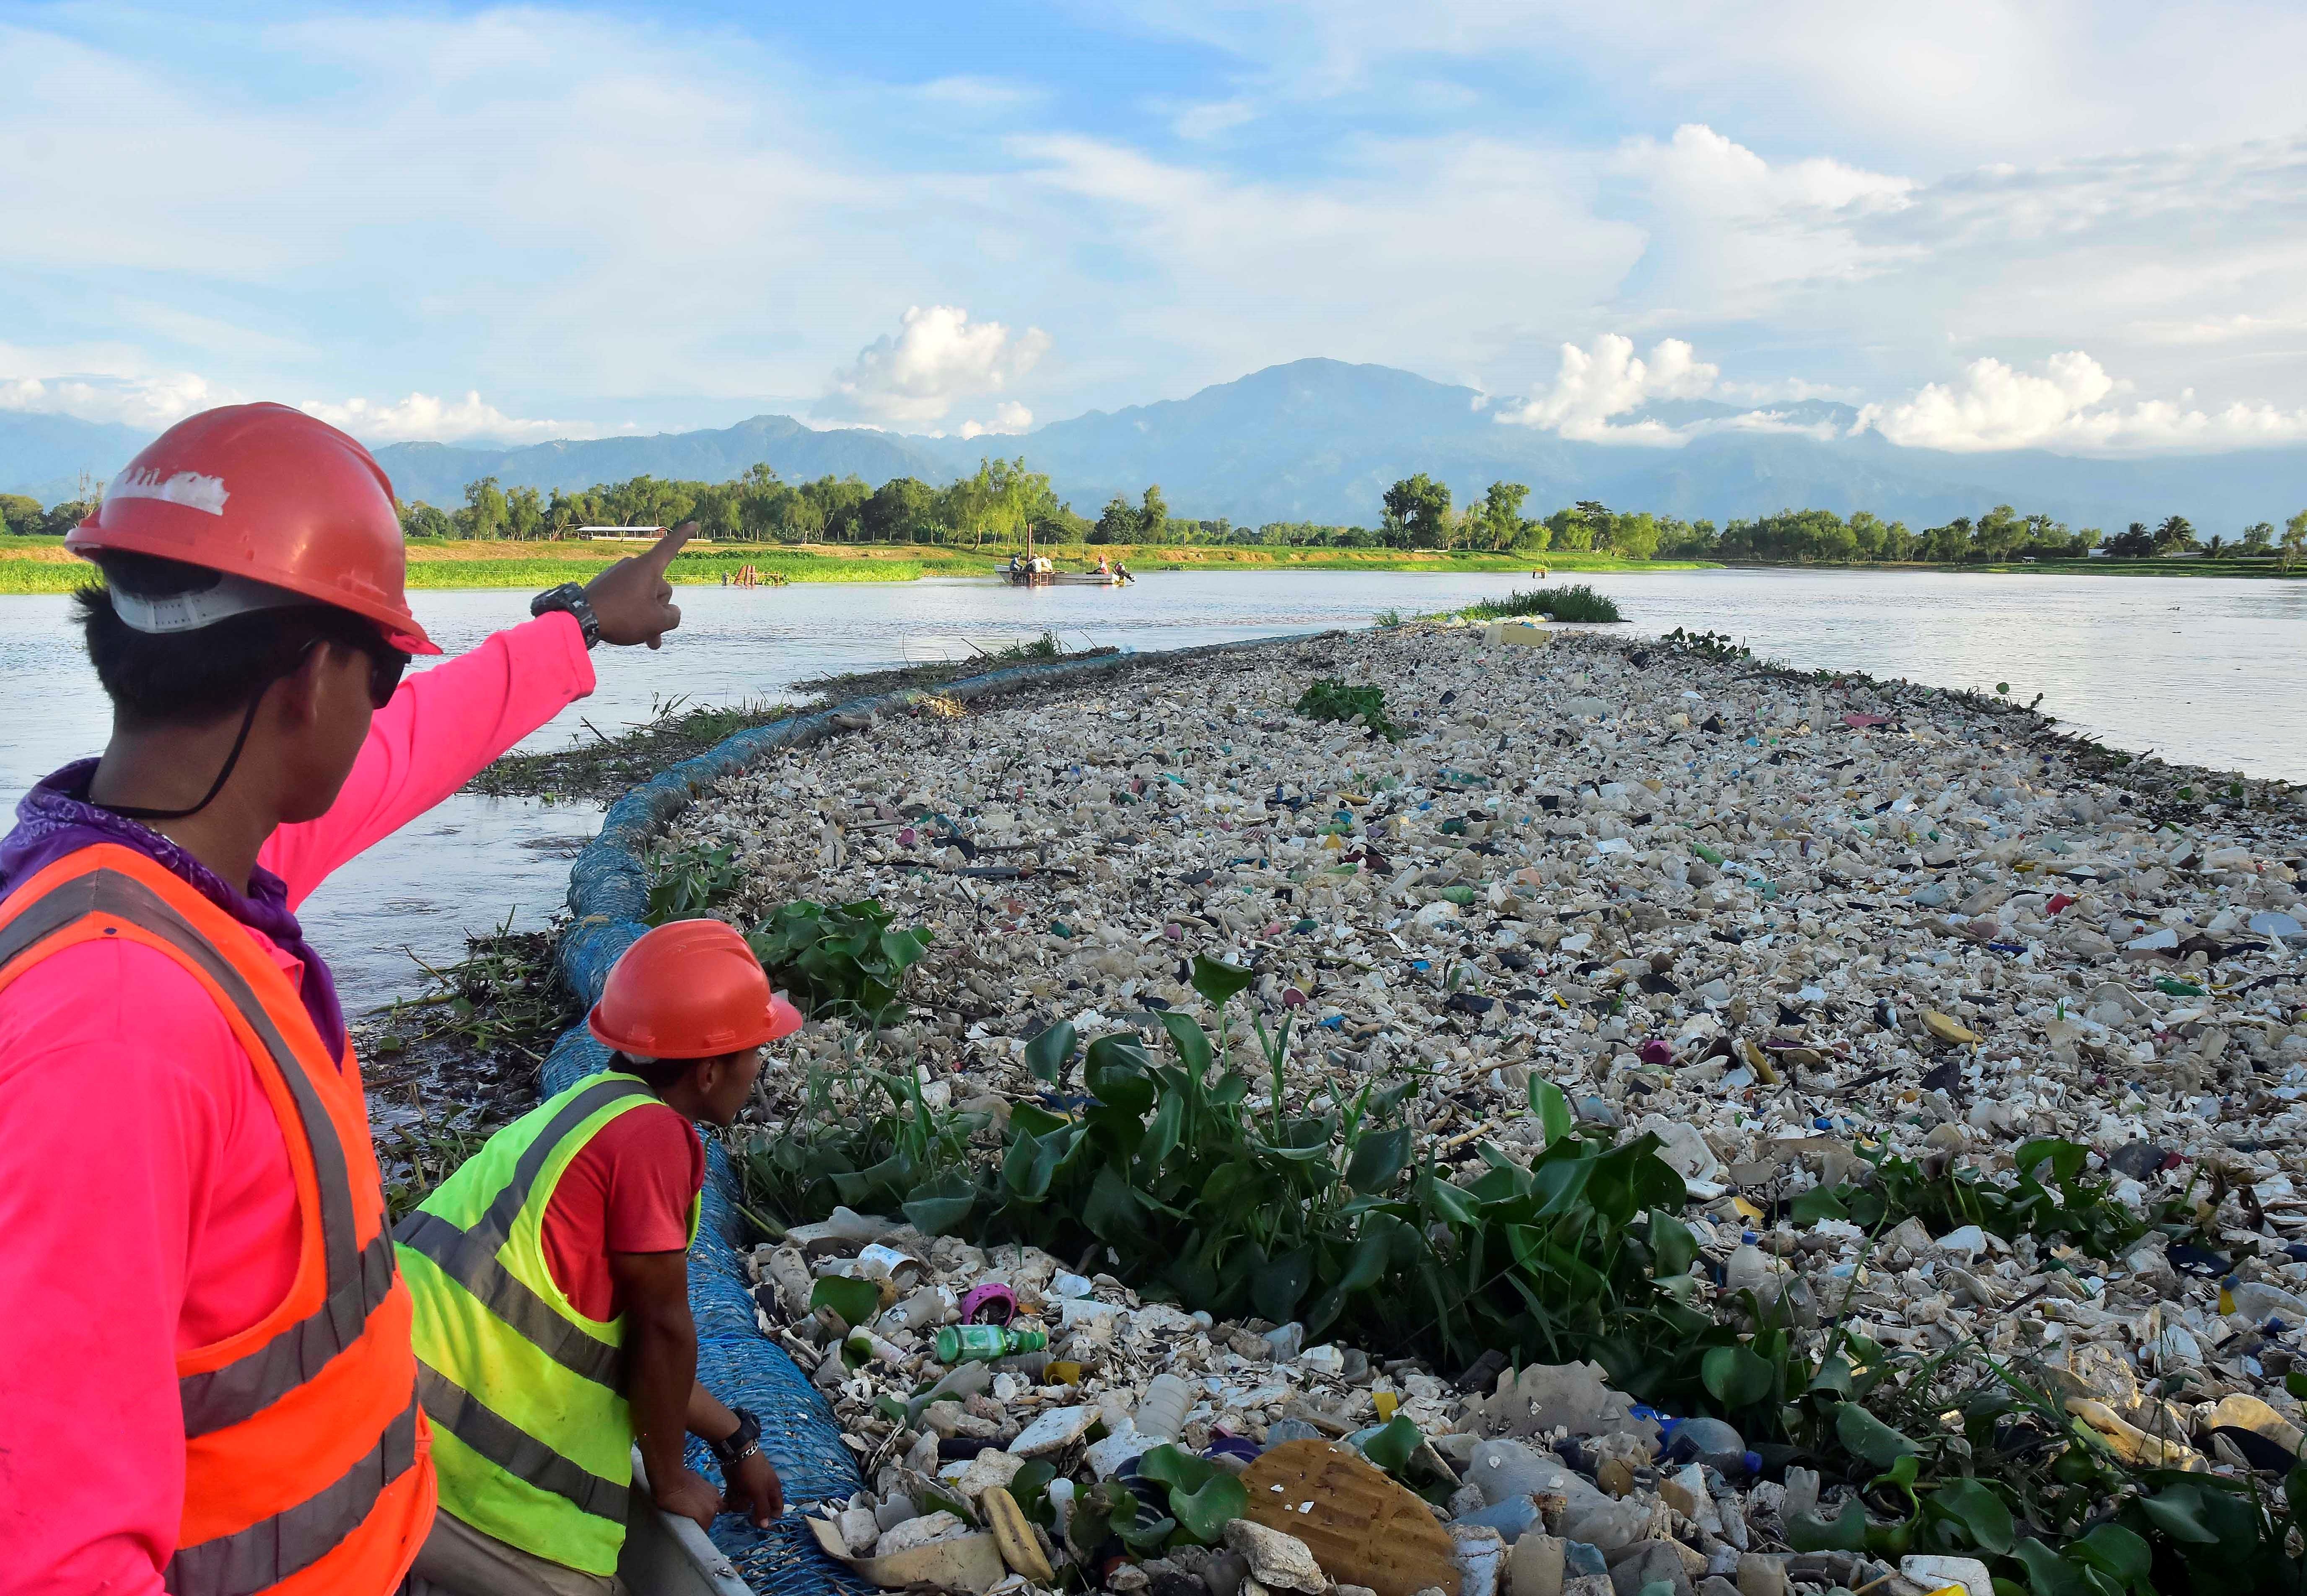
[(1712, 1128)]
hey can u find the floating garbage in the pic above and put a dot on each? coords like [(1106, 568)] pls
[(1834, 944)]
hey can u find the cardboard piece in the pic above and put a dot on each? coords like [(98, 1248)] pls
[(1361, 1527)]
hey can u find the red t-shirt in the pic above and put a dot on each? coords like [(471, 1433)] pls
[(628, 1191)]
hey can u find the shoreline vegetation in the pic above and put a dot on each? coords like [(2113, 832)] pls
[(34, 566), (37, 565), (759, 527)]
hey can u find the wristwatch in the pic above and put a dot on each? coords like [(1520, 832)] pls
[(741, 1443), (570, 597)]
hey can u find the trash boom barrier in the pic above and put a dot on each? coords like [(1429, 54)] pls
[(608, 894)]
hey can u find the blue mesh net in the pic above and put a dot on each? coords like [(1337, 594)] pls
[(608, 894), (800, 1436)]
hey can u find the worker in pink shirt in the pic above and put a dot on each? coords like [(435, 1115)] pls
[(206, 1380)]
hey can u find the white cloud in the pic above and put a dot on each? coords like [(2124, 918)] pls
[(1008, 417), (421, 416), (151, 403), (1731, 233), (1207, 119), (1606, 380), (1997, 406), (937, 358)]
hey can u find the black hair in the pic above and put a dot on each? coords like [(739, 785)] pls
[(192, 678), (660, 1073)]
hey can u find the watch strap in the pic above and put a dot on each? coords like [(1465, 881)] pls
[(570, 597), (740, 1443)]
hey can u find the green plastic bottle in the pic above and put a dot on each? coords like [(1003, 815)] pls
[(986, 1343)]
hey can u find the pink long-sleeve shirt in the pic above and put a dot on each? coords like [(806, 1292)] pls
[(146, 1203)]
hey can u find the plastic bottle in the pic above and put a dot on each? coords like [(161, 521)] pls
[(983, 1343), (1506, 1468), (1161, 1411), (1749, 1270)]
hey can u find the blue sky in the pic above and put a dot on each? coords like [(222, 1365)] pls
[(2077, 226)]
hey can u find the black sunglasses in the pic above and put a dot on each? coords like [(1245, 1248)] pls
[(386, 667), (386, 664)]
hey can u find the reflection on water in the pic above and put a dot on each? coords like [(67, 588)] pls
[(2200, 669)]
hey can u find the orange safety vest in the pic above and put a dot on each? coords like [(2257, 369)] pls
[(307, 1460)]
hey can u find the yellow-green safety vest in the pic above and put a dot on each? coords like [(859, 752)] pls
[(532, 1436)]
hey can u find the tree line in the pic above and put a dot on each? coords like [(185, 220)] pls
[(1003, 503)]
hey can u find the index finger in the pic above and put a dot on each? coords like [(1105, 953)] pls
[(670, 545)]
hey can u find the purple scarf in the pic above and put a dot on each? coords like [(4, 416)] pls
[(57, 819)]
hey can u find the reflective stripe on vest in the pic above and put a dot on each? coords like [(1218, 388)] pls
[(98, 894), (525, 1394)]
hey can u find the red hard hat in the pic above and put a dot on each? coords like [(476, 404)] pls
[(690, 990), (268, 494)]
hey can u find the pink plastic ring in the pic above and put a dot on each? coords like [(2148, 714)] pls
[(992, 1295)]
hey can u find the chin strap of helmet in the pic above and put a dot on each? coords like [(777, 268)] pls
[(231, 760)]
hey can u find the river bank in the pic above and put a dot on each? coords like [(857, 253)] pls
[(1802, 955), (41, 564)]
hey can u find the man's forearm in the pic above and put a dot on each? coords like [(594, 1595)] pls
[(708, 1418), (661, 1378)]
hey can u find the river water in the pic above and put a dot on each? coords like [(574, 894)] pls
[(2200, 669)]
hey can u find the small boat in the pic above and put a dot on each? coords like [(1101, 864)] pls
[(1026, 576)]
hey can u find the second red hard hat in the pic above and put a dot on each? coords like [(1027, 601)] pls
[(269, 494), (690, 990)]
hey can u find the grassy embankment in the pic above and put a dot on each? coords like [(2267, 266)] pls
[(41, 565)]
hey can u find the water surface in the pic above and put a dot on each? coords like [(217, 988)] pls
[(2200, 669)]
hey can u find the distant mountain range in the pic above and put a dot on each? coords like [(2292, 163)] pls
[(1321, 440)]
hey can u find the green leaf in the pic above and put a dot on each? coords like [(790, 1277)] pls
[(1276, 1290), (1192, 1042), (1148, 1535), (1390, 1449), (1032, 1162), (1029, 1489), (1378, 1160), (1450, 1202), (1552, 1109), (1218, 981), (1820, 1202), (939, 1207), (1673, 1249), (1834, 1375), (1973, 1504), (1047, 1053), (1202, 1514), (1032, 1119), (1090, 1524), (2178, 1514), (2295, 1383), (1737, 1377), (857, 1302), (1558, 1182), (2119, 1553), (1172, 1466), (1114, 1071), (1161, 1133), (2047, 1573), (1866, 1436), (1113, 1213), (1365, 1264), (1847, 1531)]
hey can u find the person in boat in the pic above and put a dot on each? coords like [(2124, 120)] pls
[(583, 1209), (1104, 566), (205, 1362)]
